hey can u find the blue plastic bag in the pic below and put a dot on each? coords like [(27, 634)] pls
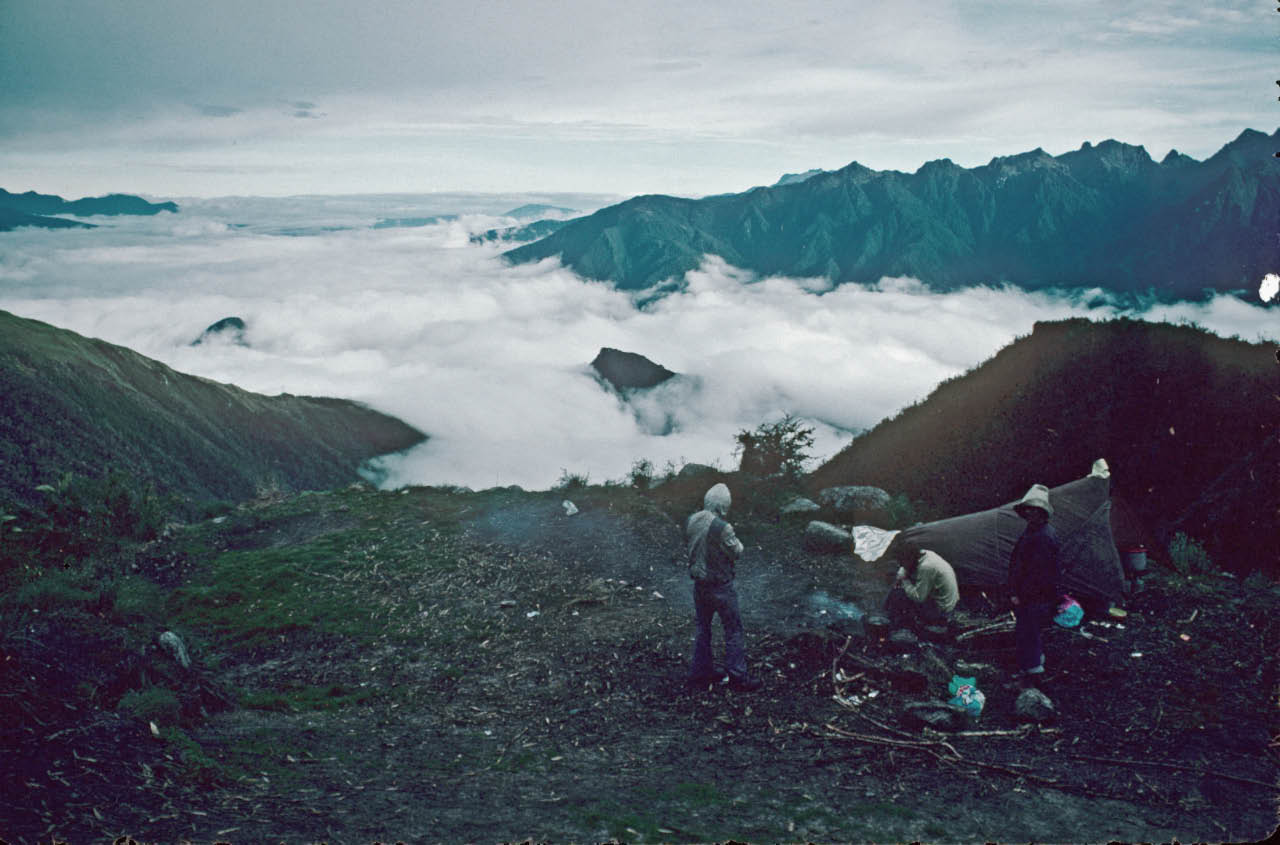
[(965, 693), (1069, 613)]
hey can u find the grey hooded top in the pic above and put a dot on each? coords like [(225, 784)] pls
[(710, 543)]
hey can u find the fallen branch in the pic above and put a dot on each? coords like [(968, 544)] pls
[(1121, 762), (995, 627)]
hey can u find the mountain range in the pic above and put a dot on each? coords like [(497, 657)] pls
[(32, 209), (74, 404), (1101, 216)]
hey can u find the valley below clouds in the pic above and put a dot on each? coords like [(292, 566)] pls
[(492, 361)]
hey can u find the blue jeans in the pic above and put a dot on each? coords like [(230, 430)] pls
[(1028, 644), (708, 600)]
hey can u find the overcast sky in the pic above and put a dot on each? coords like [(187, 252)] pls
[(277, 97)]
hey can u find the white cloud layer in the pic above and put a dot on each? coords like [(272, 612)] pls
[(492, 360)]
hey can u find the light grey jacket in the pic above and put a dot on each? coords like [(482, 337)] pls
[(710, 544)]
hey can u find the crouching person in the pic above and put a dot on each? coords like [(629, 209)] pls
[(713, 551), (925, 589)]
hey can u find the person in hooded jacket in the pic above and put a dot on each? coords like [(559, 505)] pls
[(1034, 571), (713, 550)]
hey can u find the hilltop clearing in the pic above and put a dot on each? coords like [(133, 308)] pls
[(443, 665)]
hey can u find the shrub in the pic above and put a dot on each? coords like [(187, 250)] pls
[(1188, 556), (641, 475), (572, 481), (779, 448), (901, 512)]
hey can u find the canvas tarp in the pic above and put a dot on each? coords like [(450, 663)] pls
[(978, 545)]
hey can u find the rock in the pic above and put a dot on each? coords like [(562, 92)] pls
[(1034, 705), (904, 637), (629, 371), (695, 470), (853, 499), (825, 537), (172, 643), (569, 507), (936, 714), (798, 505)]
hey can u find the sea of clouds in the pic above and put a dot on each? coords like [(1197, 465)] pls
[(492, 360)]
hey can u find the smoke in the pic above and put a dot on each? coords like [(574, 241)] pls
[(491, 360)]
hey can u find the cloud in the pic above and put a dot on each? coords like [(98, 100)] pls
[(493, 360)]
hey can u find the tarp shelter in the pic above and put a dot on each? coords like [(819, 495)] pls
[(978, 545)]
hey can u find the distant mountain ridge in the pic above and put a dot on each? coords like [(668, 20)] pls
[(74, 404), (1185, 419), (1104, 215), (33, 209)]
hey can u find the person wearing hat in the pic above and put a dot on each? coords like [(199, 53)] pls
[(712, 551), (1034, 570)]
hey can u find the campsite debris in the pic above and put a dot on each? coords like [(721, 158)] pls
[(1190, 618), (994, 628), (1034, 705), (532, 614), (1135, 654), (1184, 637), (1118, 612), (569, 507), (903, 637), (824, 537), (507, 603)]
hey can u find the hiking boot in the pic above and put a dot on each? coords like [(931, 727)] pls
[(747, 683)]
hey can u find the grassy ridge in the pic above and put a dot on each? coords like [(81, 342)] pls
[(72, 404), (1185, 419)]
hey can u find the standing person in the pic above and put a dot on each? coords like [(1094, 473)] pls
[(925, 578), (713, 550), (1034, 570)]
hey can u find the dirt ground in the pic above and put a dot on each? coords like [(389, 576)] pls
[(549, 705)]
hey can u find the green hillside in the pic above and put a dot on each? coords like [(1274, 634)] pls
[(1105, 215), (1186, 420), (70, 404)]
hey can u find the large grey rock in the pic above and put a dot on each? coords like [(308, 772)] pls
[(825, 537), (696, 470), (1034, 705), (853, 499), (798, 505)]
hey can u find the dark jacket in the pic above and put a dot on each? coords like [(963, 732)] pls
[(1035, 566)]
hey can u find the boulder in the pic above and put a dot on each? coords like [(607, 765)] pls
[(1035, 706), (798, 505), (696, 471), (853, 499), (825, 537)]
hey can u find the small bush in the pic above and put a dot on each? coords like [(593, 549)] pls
[(901, 512), (641, 475), (1188, 556), (572, 481)]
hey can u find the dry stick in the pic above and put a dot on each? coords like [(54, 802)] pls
[(1001, 625), (1192, 769)]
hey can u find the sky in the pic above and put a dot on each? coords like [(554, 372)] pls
[(210, 98), (492, 361)]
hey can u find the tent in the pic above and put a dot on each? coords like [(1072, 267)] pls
[(978, 545)]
